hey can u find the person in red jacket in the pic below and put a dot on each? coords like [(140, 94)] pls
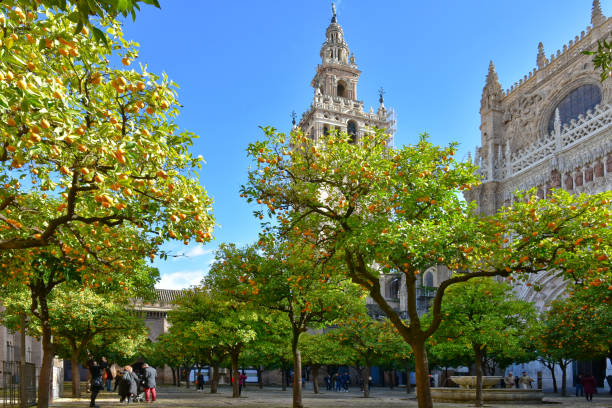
[(590, 386), (241, 382)]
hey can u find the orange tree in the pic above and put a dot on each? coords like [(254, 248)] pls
[(399, 210), (372, 342), (204, 320), (271, 350), (32, 276), (288, 278), (84, 142), (80, 318), (577, 327), (485, 320), (322, 349)]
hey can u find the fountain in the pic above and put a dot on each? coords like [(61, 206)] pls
[(467, 392)]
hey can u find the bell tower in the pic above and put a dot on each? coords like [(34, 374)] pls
[(335, 105)]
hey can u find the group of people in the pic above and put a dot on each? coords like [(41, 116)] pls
[(524, 381), (131, 385), (586, 386), (338, 382)]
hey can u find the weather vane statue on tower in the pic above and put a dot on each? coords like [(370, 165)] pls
[(381, 93), (333, 12)]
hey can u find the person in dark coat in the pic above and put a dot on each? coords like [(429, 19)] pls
[(108, 374), (97, 380), (590, 386), (200, 382), (150, 376), (579, 387), (128, 387)]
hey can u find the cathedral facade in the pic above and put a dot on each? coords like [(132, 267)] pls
[(551, 129)]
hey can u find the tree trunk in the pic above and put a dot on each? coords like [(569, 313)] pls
[(478, 365), (76, 374), (551, 367), (297, 371), (283, 377), (214, 380), (408, 387), (366, 381), (187, 373), (422, 374), (179, 376), (260, 376), (563, 379), (315, 378), (235, 376), (391, 379), (173, 375), (44, 381)]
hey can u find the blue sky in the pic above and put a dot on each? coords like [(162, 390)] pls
[(243, 64)]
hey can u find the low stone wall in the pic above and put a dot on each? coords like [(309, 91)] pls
[(497, 395)]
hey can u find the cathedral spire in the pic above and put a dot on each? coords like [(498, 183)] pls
[(597, 17), (492, 92), (541, 59), (492, 80)]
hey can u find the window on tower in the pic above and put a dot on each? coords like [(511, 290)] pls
[(341, 89), (351, 129), (577, 102)]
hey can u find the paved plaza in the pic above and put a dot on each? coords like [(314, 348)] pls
[(271, 397)]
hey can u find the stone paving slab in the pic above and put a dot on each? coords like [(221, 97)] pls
[(276, 398)]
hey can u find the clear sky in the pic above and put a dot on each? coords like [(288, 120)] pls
[(243, 64)]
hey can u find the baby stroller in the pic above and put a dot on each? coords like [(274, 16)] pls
[(140, 396)]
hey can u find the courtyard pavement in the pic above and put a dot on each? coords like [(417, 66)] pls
[(271, 397)]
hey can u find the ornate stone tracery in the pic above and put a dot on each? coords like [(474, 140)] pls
[(548, 141)]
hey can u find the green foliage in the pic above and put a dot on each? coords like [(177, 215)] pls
[(578, 327), (368, 342), (484, 314), (202, 321), (602, 59), (288, 278), (323, 348), (84, 144)]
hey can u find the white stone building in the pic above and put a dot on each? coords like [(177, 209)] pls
[(551, 129)]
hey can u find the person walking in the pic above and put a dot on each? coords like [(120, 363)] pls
[(609, 381), (108, 376), (509, 380), (118, 375), (241, 382), (337, 382), (579, 387), (328, 382), (525, 381), (200, 381), (128, 387), (346, 381), (150, 377), (590, 386), (97, 380)]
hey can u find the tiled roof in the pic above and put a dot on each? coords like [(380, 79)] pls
[(168, 295)]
